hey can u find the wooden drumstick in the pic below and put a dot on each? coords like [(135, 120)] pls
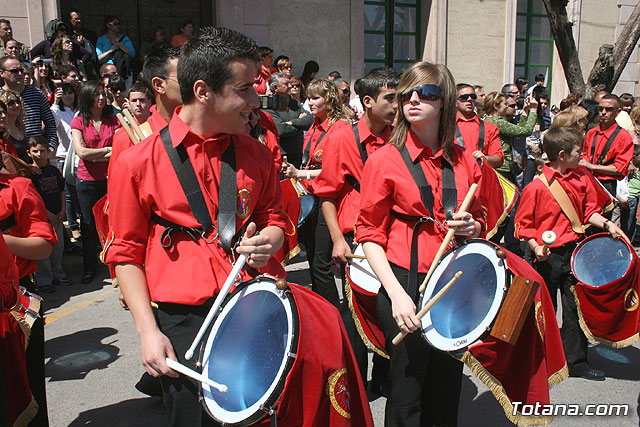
[(354, 256), (429, 305), (284, 160), (177, 366), (134, 124), (447, 239), (548, 238), (127, 129), (242, 259)]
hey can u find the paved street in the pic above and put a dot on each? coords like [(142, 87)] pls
[(93, 362)]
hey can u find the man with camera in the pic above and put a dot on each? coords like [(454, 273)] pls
[(288, 115)]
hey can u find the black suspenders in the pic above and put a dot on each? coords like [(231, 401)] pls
[(605, 149), (363, 155), (460, 140)]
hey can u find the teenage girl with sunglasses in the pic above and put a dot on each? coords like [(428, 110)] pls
[(425, 382)]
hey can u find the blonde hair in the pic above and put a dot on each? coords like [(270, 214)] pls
[(635, 118), (419, 74), (491, 101), (336, 110), (4, 97), (565, 119)]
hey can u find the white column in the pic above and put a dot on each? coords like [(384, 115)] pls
[(511, 17), (435, 46)]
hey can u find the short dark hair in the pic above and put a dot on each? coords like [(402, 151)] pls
[(626, 99), (612, 97), (117, 82), (561, 138), (374, 81), (539, 78), (67, 88), (506, 88), (264, 51), (156, 62), (37, 140), (65, 69), (461, 86), (140, 87), (335, 75), (5, 21), (109, 18), (207, 56)]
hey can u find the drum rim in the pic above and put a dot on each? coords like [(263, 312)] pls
[(455, 345), (593, 237), (355, 263), (301, 219), (278, 389)]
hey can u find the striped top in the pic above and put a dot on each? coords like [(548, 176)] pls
[(38, 111)]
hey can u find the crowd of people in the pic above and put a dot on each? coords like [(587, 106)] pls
[(83, 127)]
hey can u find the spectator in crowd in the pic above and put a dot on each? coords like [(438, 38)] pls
[(334, 75), (5, 142), (116, 48), (309, 72), (15, 128), (480, 96), (571, 100), (296, 88), (62, 55), (622, 118), (186, 32), (54, 29), (627, 101), (139, 101), (156, 39), (50, 185), (44, 79), (523, 85), (64, 110), (284, 65), (86, 39), (116, 93), (69, 74), (593, 117), (266, 69), (37, 108), (635, 119), (290, 118), (92, 132), (13, 47), (571, 117), (106, 71), (630, 225), (539, 82), (534, 140)]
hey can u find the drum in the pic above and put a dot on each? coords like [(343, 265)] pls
[(251, 348), (362, 290), (467, 311), (600, 259), (308, 205)]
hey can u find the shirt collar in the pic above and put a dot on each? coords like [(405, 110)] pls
[(180, 131), (460, 118), (550, 174), (416, 148), (609, 130), (367, 137)]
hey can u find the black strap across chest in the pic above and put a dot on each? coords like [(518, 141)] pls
[(606, 147), (363, 155), (307, 148), (449, 203), (189, 182), (460, 140), (7, 223)]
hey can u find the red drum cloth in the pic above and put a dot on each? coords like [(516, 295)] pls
[(324, 387), (497, 201), (527, 370), (291, 203), (609, 313)]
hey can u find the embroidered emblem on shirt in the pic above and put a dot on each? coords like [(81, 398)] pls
[(338, 391), (243, 204), (317, 156)]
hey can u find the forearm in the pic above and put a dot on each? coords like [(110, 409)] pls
[(276, 237), (330, 213), (610, 170), (94, 154), (381, 267), (133, 285), (307, 173), (598, 220), (495, 161), (32, 248)]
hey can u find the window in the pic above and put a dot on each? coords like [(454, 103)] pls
[(396, 38), (534, 42)]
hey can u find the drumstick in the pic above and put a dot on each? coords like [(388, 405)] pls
[(284, 160), (447, 239), (127, 129), (134, 124), (242, 259), (428, 305), (177, 366), (354, 256), (548, 238)]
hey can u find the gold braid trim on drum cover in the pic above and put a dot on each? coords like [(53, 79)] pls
[(28, 414), (25, 325), (367, 342), (499, 393), (583, 325)]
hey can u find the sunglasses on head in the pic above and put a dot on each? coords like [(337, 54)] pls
[(466, 96), (425, 92), (607, 109)]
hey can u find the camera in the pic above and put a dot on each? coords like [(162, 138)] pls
[(274, 102)]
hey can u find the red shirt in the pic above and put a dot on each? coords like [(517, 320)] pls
[(342, 158), (317, 145), (93, 139), (271, 138), (619, 154), (189, 272), (19, 197), (121, 141), (470, 131), (7, 145), (539, 211), (8, 278), (388, 185)]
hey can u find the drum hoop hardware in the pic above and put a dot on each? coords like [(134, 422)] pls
[(292, 355)]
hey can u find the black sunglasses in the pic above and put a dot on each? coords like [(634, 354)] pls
[(466, 96), (114, 23), (346, 91), (296, 85), (607, 109), (512, 105), (15, 71), (12, 103), (425, 92)]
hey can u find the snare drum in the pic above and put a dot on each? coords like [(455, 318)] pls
[(600, 259), (308, 205), (362, 290), (467, 311), (251, 348)]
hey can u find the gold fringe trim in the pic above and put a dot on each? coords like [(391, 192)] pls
[(26, 329), (367, 342), (292, 253), (499, 393), (583, 325), (559, 376), (491, 233), (27, 415)]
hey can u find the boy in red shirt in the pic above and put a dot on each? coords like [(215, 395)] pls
[(539, 211)]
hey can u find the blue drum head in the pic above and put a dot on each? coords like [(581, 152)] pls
[(463, 314), (307, 206), (248, 351), (600, 260)]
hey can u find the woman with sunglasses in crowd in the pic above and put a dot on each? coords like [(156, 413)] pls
[(425, 382), (44, 78), (116, 48), (92, 134), (500, 110), (62, 54), (5, 142), (16, 130)]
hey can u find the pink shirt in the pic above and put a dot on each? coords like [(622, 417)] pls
[(95, 171)]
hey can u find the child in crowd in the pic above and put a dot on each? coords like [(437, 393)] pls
[(50, 186), (634, 193)]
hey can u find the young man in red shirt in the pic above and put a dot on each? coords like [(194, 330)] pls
[(539, 211), (338, 185), (468, 126), (216, 71), (608, 149)]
